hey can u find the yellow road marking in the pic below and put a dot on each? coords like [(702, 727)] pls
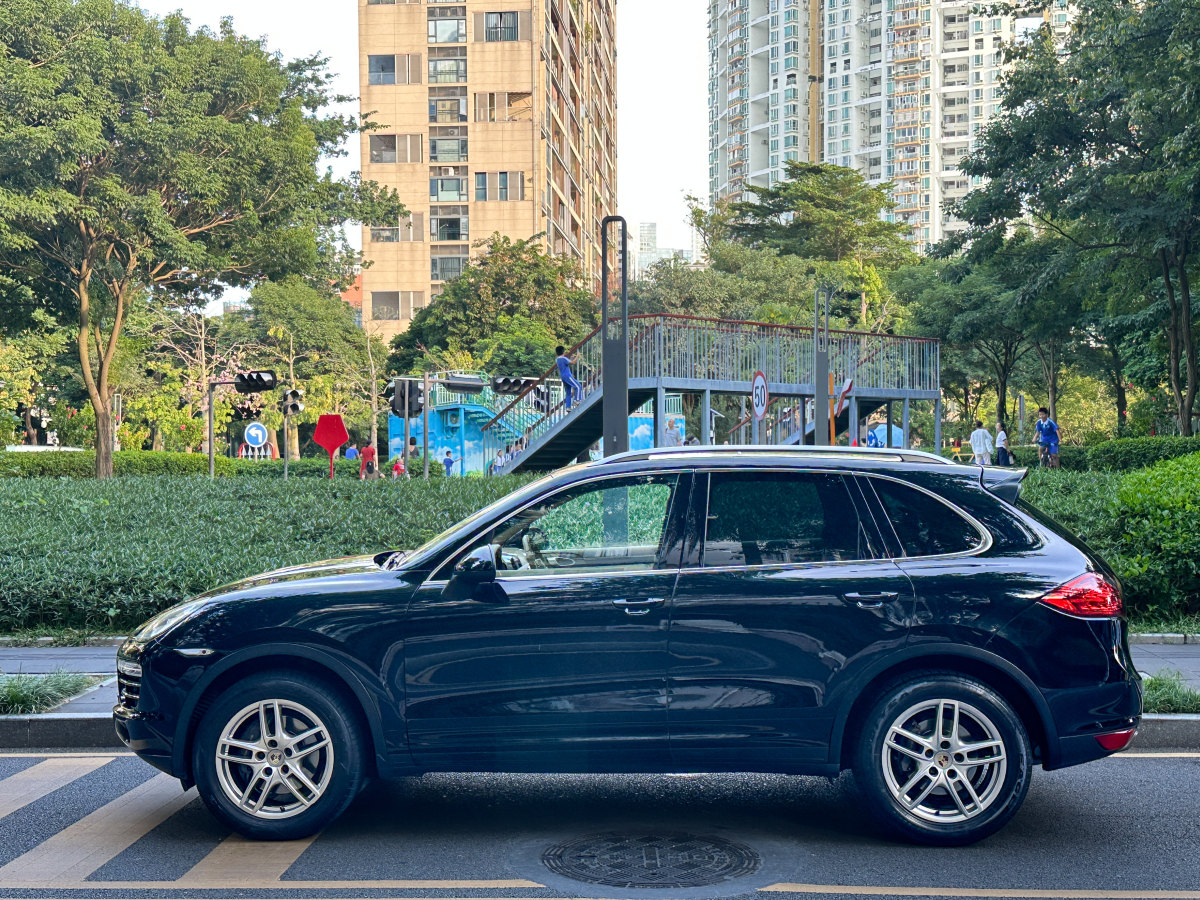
[(78, 850), (37, 781), (237, 861), (855, 890), (1149, 754)]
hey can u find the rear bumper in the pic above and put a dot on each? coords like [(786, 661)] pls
[(1083, 715)]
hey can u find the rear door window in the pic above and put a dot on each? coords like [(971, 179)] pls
[(772, 518), (925, 525)]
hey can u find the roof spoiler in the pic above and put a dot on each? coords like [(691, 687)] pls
[(1003, 482)]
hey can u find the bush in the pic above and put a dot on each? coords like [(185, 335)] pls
[(1069, 457), (82, 464), (106, 555), (22, 694), (1157, 513), (1125, 454), (1167, 692), (1079, 501)]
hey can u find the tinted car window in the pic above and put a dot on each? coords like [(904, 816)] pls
[(614, 523), (925, 525), (762, 518)]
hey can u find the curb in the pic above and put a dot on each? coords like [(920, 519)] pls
[(1164, 638), (39, 643), (87, 730)]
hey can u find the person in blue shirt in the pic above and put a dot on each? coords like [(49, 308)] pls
[(1047, 438), (570, 385), (351, 452), (448, 461)]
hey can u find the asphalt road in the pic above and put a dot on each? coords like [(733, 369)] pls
[(108, 825)]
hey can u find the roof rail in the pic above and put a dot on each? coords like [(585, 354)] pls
[(894, 454)]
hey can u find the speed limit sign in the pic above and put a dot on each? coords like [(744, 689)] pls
[(759, 396)]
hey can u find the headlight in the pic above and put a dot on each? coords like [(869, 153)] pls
[(168, 619), (129, 669)]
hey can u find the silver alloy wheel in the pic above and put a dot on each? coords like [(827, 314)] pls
[(274, 759), (944, 761)]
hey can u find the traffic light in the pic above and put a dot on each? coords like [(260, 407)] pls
[(416, 398), (462, 384), (254, 382), (291, 404), (504, 385)]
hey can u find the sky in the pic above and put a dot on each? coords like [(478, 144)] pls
[(662, 138)]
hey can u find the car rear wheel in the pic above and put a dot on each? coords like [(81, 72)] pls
[(943, 759), (276, 757)]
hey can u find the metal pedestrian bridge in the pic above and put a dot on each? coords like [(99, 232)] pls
[(670, 354)]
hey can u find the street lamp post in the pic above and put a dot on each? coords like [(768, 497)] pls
[(821, 423)]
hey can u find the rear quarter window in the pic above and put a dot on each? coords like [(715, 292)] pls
[(925, 525)]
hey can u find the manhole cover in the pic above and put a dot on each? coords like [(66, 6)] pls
[(651, 860)]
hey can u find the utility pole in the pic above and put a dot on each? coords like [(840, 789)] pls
[(404, 451), (425, 425), (821, 423), (614, 358)]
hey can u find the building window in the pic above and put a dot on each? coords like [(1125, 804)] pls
[(447, 71), (448, 111), (381, 69), (447, 30), (501, 26), (444, 268), (385, 306), (499, 186), (448, 223), (410, 230), (447, 150), (393, 148), (447, 190), (382, 148), (499, 106)]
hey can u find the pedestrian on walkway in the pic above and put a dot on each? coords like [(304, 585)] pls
[(448, 461), (671, 437), (570, 385), (1047, 438), (1003, 458), (368, 467), (981, 445)]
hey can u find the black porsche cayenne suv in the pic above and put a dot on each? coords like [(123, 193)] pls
[(685, 610)]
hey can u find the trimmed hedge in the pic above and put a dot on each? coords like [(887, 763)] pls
[(106, 555), (1070, 457), (1125, 454), (82, 464), (1145, 524)]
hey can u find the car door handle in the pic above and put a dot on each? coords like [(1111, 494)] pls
[(638, 607), (870, 601)]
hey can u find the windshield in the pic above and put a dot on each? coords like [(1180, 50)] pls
[(468, 524)]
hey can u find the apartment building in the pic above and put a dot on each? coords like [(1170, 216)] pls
[(905, 87), (494, 116), (764, 61)]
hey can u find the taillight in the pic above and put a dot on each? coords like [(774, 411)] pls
[(1088, 595), (1117, 740)]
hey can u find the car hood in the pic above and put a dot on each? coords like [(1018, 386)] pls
[(330, 568)]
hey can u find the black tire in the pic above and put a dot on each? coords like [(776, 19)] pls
[(947, 800), (303, 787)]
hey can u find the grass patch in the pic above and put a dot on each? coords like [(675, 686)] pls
[(1169, 624), (58, 637), (1167, 692), (23, 694)]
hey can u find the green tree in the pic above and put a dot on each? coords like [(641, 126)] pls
[(510, 277), (139, 154), (521, 345), (1099, 143)]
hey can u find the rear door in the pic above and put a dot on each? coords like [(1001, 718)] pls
[(786, 584)]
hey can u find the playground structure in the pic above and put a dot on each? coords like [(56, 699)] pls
[(671, 355)]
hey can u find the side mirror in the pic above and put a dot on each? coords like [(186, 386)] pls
[(474, 577), (477, 566)]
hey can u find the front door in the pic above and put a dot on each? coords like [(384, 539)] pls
[(561, 663), (787, 587)]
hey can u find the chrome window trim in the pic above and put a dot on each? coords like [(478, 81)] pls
[(572, 575), (677, 472), (790, 470), (984, 546)]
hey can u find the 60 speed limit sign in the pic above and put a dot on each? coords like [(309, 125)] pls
[(759, 395)]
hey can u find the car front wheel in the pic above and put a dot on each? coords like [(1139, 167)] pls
[(943, 759), (276, 757)]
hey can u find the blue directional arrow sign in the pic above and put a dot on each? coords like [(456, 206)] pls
[(255, 434)]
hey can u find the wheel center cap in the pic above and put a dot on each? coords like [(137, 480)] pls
[(943, 759), (275, 757)]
